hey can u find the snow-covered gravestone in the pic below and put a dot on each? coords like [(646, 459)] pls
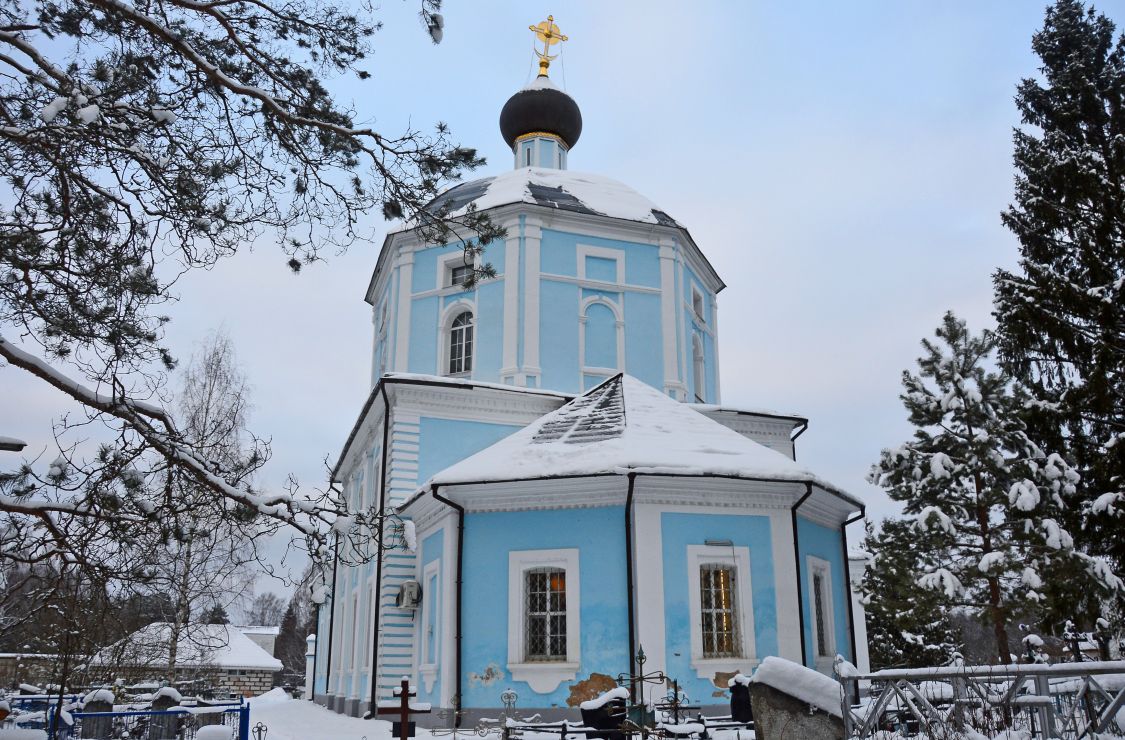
[(164, 726), (97, 728), (791, 701)]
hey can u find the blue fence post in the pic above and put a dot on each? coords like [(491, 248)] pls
[(244, 721)]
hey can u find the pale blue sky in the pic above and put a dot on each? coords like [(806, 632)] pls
[(842, 165)]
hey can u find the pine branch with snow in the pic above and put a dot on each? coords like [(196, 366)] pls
[(975, 482)]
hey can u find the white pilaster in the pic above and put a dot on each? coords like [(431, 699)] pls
[(668, 316), (715, 339), (511, 302), (402, 324), (785, 580), (648, 562), (856, 569), (531, 242)]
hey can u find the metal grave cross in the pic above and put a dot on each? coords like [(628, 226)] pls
[(403, 728)]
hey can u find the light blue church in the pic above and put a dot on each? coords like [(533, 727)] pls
[(576, 490)]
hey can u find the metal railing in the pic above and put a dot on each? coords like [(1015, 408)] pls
[(176, 723), (1067, 701)]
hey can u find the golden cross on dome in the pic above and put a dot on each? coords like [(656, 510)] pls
[(549, 34)]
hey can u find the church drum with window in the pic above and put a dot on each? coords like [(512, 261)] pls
[(577, 491)]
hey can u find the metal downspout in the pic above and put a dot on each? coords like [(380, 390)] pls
[(848, 580), (457, 600), (629, 585), (797, 561), (331, 615), (793, 438), (373, 707)]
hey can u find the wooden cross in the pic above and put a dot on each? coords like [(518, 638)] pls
[(403, 728)]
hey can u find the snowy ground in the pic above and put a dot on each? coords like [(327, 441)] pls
[(294, 719)]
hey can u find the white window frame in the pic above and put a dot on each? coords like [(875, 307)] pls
[(698, 304), (739, 559), (818, 566), (618, 256), (619, 337), (446, 263), (431, 605), (543, 676), (445, 327), (698, 369)]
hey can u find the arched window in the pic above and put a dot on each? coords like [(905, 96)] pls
[(697, 369), (461, 344)]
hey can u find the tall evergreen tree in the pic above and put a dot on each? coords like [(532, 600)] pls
[(974, 480), (907, 625), (1062, 314)]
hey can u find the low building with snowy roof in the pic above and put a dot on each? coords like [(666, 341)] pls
[(215, 656), (264, 636), (571, 486)]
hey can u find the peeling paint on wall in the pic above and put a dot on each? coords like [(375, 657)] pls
[(722, 679), (596, 684), (491, 674)]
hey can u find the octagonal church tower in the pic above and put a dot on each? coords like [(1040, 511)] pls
[(560, 486), (593, 278)]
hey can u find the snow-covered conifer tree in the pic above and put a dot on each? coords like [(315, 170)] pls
[(972, 478), (1062, 313), (907, 625)]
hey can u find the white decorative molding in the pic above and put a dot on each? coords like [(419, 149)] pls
[(543, 676), (431, 607), (816, 566), (400, 361), (598, 284), (511, 299), (445, 320), (532, 238), (619, 330), (617, 255), (739, 559)]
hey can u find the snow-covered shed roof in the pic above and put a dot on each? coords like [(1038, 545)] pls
[(566, 190), (623, 426), (199, 646), (258, 629)]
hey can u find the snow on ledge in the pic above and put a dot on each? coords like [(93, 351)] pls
[(801, 683)]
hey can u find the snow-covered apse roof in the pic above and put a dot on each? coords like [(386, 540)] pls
[(622, 426), (565, 190), (200, 645)]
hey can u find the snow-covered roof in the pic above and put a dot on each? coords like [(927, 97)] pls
[(565, 190), (622, 426), (390, 379), (258, 629), (12, 444), (201, 645)]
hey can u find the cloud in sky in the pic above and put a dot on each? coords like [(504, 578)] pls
[(843, 166)]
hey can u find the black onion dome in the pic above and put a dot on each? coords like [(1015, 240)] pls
[(541, 107)]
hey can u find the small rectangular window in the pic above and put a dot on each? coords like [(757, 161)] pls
[(545, 604), (820, 598), (719, 611), (458, 274), (821, 632), (697, 303)]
